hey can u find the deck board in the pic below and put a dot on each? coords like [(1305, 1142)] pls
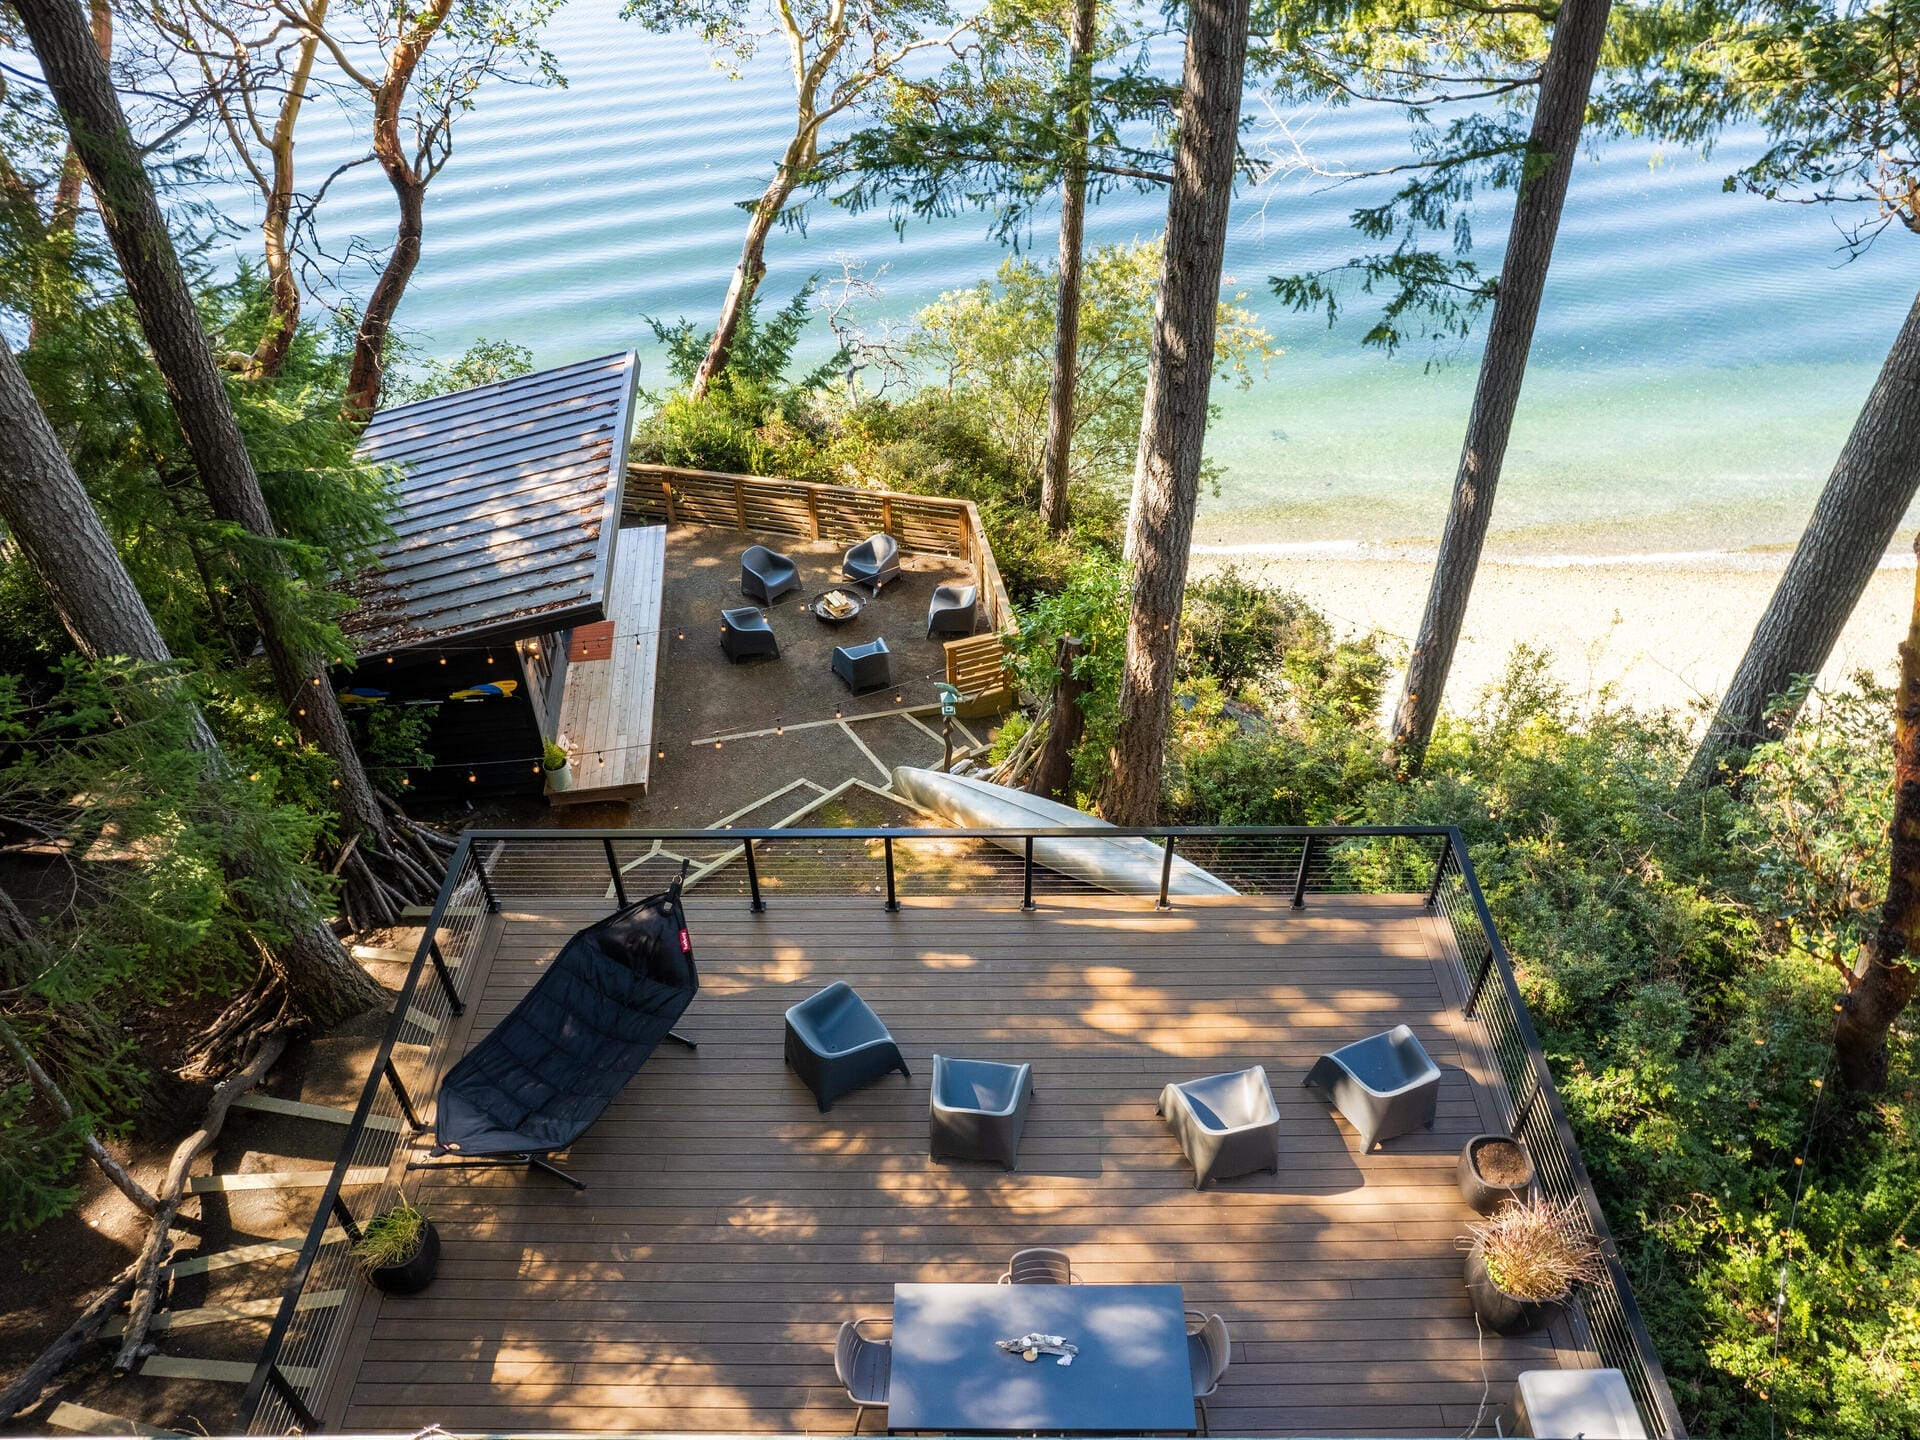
[(607, 705), (729, 1227)]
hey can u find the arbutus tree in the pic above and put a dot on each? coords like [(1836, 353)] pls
[(381, 875), (432, 61), (1173, 426), (837, 52)]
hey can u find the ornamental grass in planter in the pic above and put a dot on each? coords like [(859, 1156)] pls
[(1526, 1257), (399, 1249)]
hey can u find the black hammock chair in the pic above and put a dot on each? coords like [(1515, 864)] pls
[(546, 1071)]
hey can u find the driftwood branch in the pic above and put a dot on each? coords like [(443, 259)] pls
[(146, 1281)]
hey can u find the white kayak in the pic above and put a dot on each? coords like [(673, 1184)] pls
[(1129, 864)]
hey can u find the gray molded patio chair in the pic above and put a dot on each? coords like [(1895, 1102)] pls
[(978, 1110), (873, 562), (1209, 1351), (864, 1366), (766, 575), (864, 667), (952, 610), (1386, 1084), (1038, 1266), (1227, 1124), (745, 633), (835, 1043)]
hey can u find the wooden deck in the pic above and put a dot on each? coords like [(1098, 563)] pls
[(606, 707), (729, 1227)]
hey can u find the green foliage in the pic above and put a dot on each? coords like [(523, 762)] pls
[(1091, 607), (391, 740), (392, 1237), (485, 362), (992, 345)]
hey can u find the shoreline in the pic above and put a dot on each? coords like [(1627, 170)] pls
[(1662, 633)]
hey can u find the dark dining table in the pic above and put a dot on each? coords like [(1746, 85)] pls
[(1131, 1375)]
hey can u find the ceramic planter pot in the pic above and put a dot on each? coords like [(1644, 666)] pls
[(1498, 1311), (1484, 1193), (561, 779), (414, 1274)]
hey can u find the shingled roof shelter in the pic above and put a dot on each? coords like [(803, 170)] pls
[(506, 541)]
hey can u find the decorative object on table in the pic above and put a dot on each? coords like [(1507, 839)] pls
[(557, 763), (835, 607), (399, 1250), (953, 610), (1595, 1404), (865, 1367), (1209, 1352), (766, 575), (745, 633), (1227, 1124), (864, 667), (1493, 1169), (1386, 1084), (1038, 1265), (1032, 1347), (977, 1110), (835, 1043), (873, 562), (1527, 1258)]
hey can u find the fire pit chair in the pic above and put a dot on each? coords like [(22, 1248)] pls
[(1386, 1084), (873, 562), (745, 633), (864, 667), (835, 1043), (1227, 1124), (766, 575), (978, 1110), (952, 610), (547, 1070)]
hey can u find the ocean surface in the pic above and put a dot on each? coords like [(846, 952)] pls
[(1700, 355)]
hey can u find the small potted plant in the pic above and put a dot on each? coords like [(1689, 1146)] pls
[(1494, 1169), (1525, 1258), (559, 764), (399, 1249)]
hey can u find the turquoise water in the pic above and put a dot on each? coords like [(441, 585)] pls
[(1699, 360)]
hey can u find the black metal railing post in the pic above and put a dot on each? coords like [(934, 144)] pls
[(281, 1386), (753, 881), (893, 901), (613, 869), (1026, 878), (1166, 876), (1439, 874), (400, 1094), (1472, 1006), (348, 1225), (486, 884), (1300, 875), (454, 1005)]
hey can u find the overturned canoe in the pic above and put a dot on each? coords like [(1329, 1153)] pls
[(1129, 864)]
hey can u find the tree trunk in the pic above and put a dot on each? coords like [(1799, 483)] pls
[(1066, 328), (1173, 426), (368, 371), (50, 516), (1551, 147), (1872, 484), (73, 174), (171, 323), (1052, 777), (1885, 977), (752, 266), (283, 320)]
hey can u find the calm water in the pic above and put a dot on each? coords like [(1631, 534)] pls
[(1699, 360)]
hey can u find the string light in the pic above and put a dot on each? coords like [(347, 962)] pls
[(316, 682), (472, 779), (443, 659), (389, 659)]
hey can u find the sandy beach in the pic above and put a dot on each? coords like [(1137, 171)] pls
[(1660, 634)]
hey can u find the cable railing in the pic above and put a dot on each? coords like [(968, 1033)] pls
[(763, 869)]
